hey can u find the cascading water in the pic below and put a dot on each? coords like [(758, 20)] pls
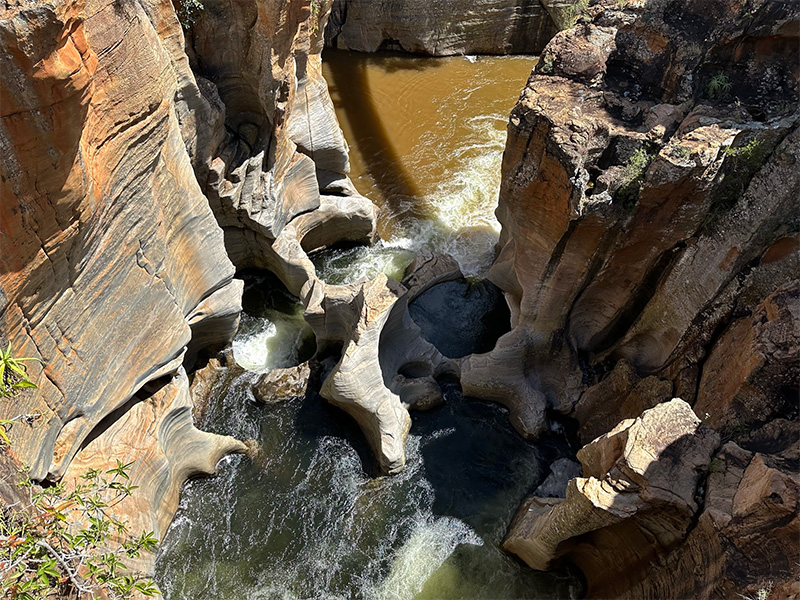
[(306, 518)]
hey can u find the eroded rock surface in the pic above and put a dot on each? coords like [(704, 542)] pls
[(386, 368), (440, 28), (112, 259), (649, 250), (639, 486), (638, 213), (142, 166)]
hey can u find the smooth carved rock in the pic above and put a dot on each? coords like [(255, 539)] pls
[(356, 382), (112, 257), (158, 436), (501, 375), (442, 28), (386, 368), (635, 503), (429, 269)]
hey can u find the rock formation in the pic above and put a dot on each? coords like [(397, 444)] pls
[(442, 28), (650, 250), (142, 167), (638, 221), (113, 262), (662, 512)]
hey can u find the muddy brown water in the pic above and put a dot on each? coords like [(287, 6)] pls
[(426, 140)]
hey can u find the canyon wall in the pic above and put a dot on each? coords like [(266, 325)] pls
[(149, 153), (443, 28), (649, 251)]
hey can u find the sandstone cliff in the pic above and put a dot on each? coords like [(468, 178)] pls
[(649, 245), (142, 166), (442, 28), (112, 260)]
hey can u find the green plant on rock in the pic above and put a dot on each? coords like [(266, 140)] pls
[(13, 379), (718, 87), (547, 64), (187, 11), (573, 12), (738, 168), (637, 164), (13, 373), (627, 195), (316, 8), (66, 545)]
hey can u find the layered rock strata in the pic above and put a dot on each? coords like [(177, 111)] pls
[(650, 250), (443, 28), (113, 265), (637, 222), (142, 168)]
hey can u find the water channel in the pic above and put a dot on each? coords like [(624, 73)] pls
[(308, 518)]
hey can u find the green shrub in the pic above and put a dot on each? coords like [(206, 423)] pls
[(637, 164), (13, 373), (62, 544), (719, 87), (573, 12)]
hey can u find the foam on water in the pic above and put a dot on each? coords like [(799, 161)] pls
[(304, 520), (251, 350)]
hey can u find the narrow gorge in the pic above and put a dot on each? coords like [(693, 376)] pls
[(495, 299)]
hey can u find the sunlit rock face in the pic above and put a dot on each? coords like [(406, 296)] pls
[(112, 259), (442, 28), (127, 182), (649, 242), (664, 511), (639, 215)]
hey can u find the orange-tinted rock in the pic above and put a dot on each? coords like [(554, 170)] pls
[(112, 257), (753, 371)]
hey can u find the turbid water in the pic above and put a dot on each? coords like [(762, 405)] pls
[(308, 518), (426, 141)]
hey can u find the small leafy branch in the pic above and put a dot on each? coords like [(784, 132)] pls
[(13, 373), (13, 379), (188, 10), (719, 87), (65, 544), (627, 195), (316, 7)]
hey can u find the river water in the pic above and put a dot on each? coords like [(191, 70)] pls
[(307, 517), (426, 141)]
